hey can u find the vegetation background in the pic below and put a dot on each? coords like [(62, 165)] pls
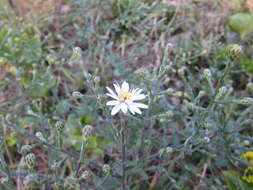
[(193, 59)]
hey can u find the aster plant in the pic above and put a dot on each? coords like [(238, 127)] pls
[(124, 100)]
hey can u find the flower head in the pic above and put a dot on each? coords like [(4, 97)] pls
[(124, 99)]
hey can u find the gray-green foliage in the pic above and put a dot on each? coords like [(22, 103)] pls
[(53, 84)]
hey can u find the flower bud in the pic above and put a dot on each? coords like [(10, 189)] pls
[(235, 50), (246, 142), (250, 86), (71, 183), (208, 75), (40, 136), (161, 152), (4, 180), (77, 53), (178, 94), (207, 139), (87, 131), (97, 80), (77, 94), (85, 175), (141, 73), (55, 165), (106, 169), (169, 150), (25, 149), (181, 72), (167, 114), (222, 92), (247, 101), (170, 91), (30, 181), (59, 125), (30, 160)]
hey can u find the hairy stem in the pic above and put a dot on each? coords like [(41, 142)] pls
[(123, 149)]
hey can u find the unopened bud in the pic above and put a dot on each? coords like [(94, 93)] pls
[(178, 94), (59, 126), (181, 72), (222, 92), (77, 53), (71, 183), (235, 50), (161, 152), (246, 142), (208, 75), (40, 136), (77, 94), (170, 91), (30, 160), (169, 150), (141, 73), (25, 149), (55, 165), (106, 169), (4, 180), (97, 79), (85, 175), (246, 101), (207, 139), (30, 181), (87, 131), (250, 86)]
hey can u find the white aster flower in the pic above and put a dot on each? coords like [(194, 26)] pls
[(124, 99)]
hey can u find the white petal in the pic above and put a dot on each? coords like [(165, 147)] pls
[(134, 91), (140, 105), (112, 96), (131, 109), (125, 86), (123, 108), (139, 97), (137, 91), (115, 109), (112, 103), (117, 88), (135, 109)]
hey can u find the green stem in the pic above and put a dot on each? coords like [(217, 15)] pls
[(80, 160), (123, 147), (59, 139)]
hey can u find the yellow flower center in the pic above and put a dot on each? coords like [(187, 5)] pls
[(123, 96)]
